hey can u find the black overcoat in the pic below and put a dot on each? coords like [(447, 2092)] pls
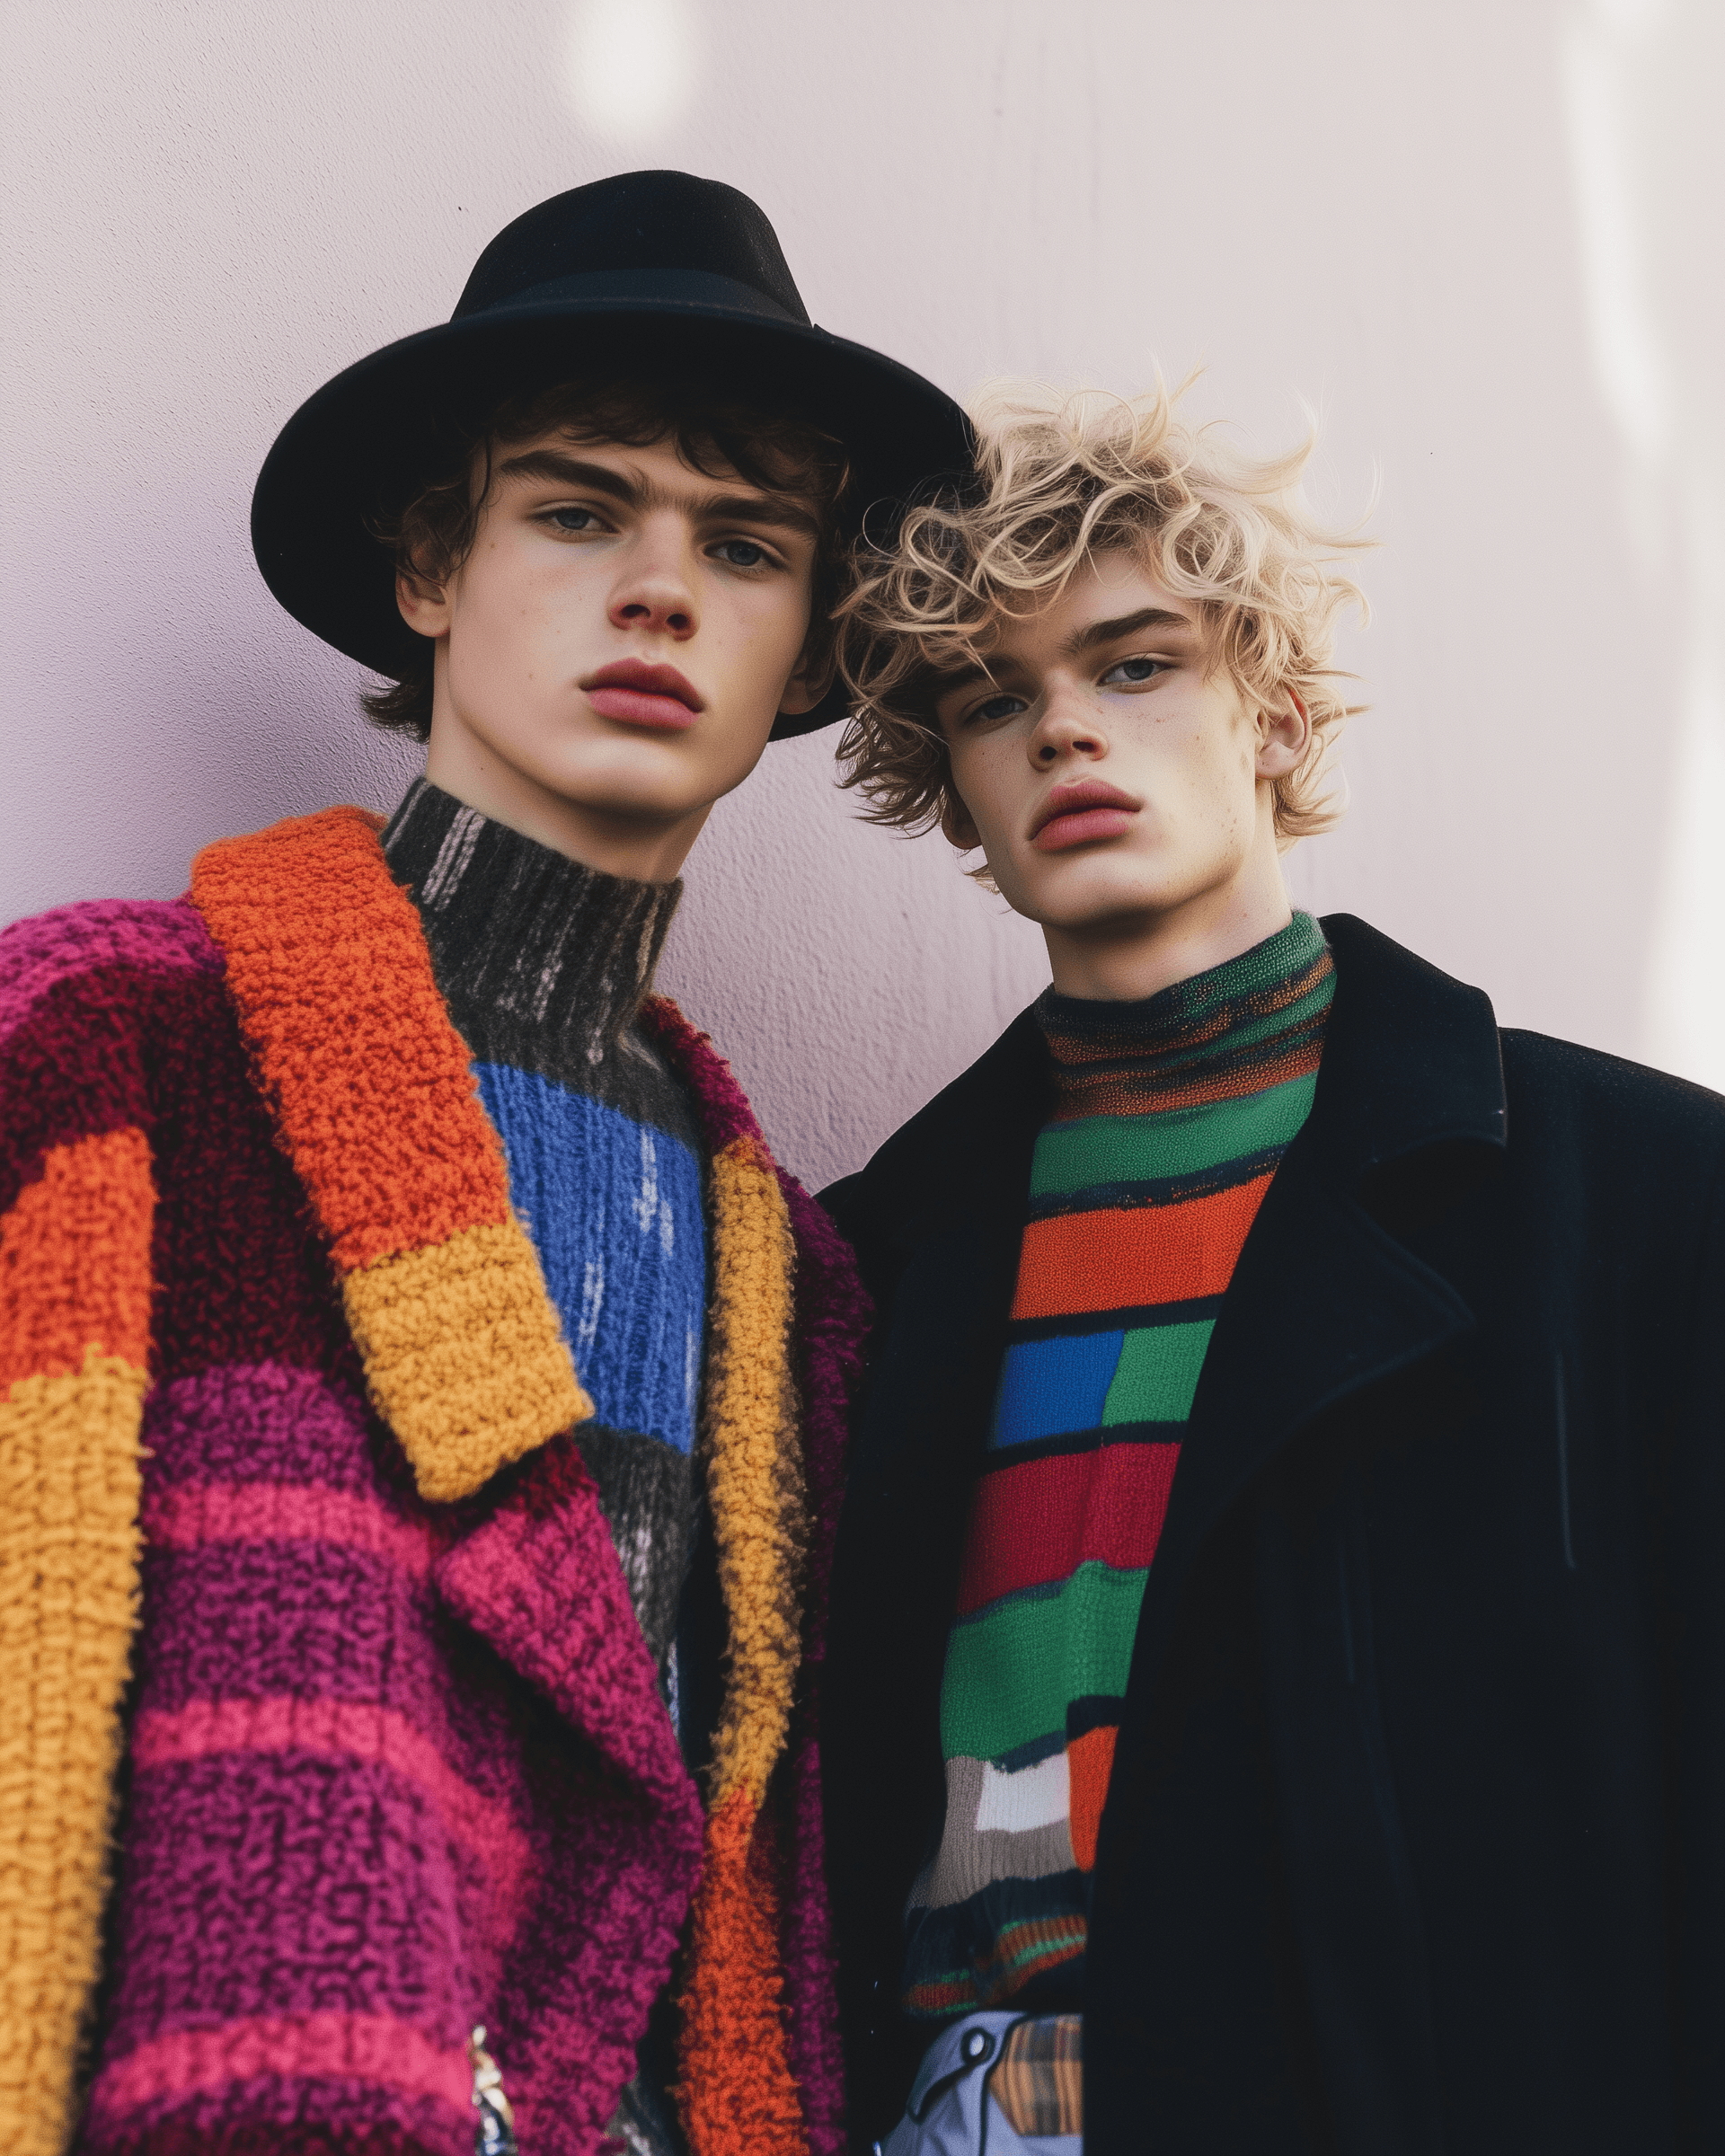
[(1415, 1844)]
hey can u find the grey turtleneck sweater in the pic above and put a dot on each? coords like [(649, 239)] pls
[(543, 964)]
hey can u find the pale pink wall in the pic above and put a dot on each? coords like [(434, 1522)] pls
[(1482, 238)]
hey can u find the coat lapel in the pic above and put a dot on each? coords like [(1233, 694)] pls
[(1326, 1304), (375, 1104), (739, 2084), (1325, 1301)]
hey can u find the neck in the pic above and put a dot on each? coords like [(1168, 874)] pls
[(1125, 957), (643, 848)]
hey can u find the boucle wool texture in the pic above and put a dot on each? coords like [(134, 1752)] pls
[(399, 1759)]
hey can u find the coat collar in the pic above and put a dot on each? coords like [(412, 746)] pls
[(376, 1106)]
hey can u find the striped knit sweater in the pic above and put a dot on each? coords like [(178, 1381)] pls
[(1171, 1117), (296, 1527)]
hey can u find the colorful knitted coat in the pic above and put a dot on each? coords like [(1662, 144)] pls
[(305, 1591)]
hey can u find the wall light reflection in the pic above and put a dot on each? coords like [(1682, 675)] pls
[(630, 66), (1658, 391)]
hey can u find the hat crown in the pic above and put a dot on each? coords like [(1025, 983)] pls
[(631, 223)]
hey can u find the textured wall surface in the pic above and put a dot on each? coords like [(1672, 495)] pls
[(1481, 240)]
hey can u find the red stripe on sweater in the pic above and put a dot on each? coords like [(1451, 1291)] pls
[(1037, 1523), (1116, 1260), (196, 1515)]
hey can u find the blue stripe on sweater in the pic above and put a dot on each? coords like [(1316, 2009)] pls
[(615, 1210), (1047, 1386)]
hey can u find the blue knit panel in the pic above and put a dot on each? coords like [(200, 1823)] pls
[(615, 1209)]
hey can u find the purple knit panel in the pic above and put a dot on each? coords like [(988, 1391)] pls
[(261, 1620), (832, 1320), (262, 1422), (617, 1816), (274, 1884), (833, 1316), (326, 1825), (720, 1105), (70, 941)]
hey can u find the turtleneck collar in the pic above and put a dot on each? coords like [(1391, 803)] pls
[(522, 938), (1220, 1034)]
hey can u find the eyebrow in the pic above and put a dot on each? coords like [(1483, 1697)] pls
[(1125, 625), (783, 511), (1080, 642)]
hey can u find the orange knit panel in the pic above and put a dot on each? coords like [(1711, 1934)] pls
[(737, 2095), (383, 1120), (1089, 1761), (74, 1260)]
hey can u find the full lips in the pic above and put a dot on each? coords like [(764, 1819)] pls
[(1082, 825), (641, 707)]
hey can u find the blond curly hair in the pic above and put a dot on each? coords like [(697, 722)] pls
[(1060, 478)]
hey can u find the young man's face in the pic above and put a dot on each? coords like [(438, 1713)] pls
[(613, 651), (1117, 787)]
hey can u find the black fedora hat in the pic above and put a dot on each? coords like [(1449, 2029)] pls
[(675, 276)]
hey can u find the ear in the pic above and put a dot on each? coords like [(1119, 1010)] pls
[(425, 607), (1283, 738), (956, 826), (805, 689)]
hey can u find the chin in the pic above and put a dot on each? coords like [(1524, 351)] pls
[(1081, 892), (611, 794), (643, 772)]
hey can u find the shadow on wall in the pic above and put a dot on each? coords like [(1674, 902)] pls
[(844, 1012)]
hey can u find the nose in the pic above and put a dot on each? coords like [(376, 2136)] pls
[(655, 592), (1068, 727)]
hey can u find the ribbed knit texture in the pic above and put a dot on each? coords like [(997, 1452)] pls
[(1172, 1115), (399, 1759), (544, 965)]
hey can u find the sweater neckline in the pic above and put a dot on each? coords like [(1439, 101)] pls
[(522, 933), (1200, 1025)]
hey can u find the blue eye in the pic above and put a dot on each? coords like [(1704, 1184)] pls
[(741, 553), (572, 519), (1132, 670)]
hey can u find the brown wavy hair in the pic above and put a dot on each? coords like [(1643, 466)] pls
[(1060, 478), (430, 536)]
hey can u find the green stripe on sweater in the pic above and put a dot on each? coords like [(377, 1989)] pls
[(1157, 1374), (1011, 1671), (1131, 1149)]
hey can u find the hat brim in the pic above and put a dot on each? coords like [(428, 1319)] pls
[(358, 448)]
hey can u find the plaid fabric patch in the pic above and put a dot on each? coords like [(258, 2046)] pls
[(1039, 2079)]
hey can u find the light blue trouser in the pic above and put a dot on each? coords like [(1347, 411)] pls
[(948, 2113)]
